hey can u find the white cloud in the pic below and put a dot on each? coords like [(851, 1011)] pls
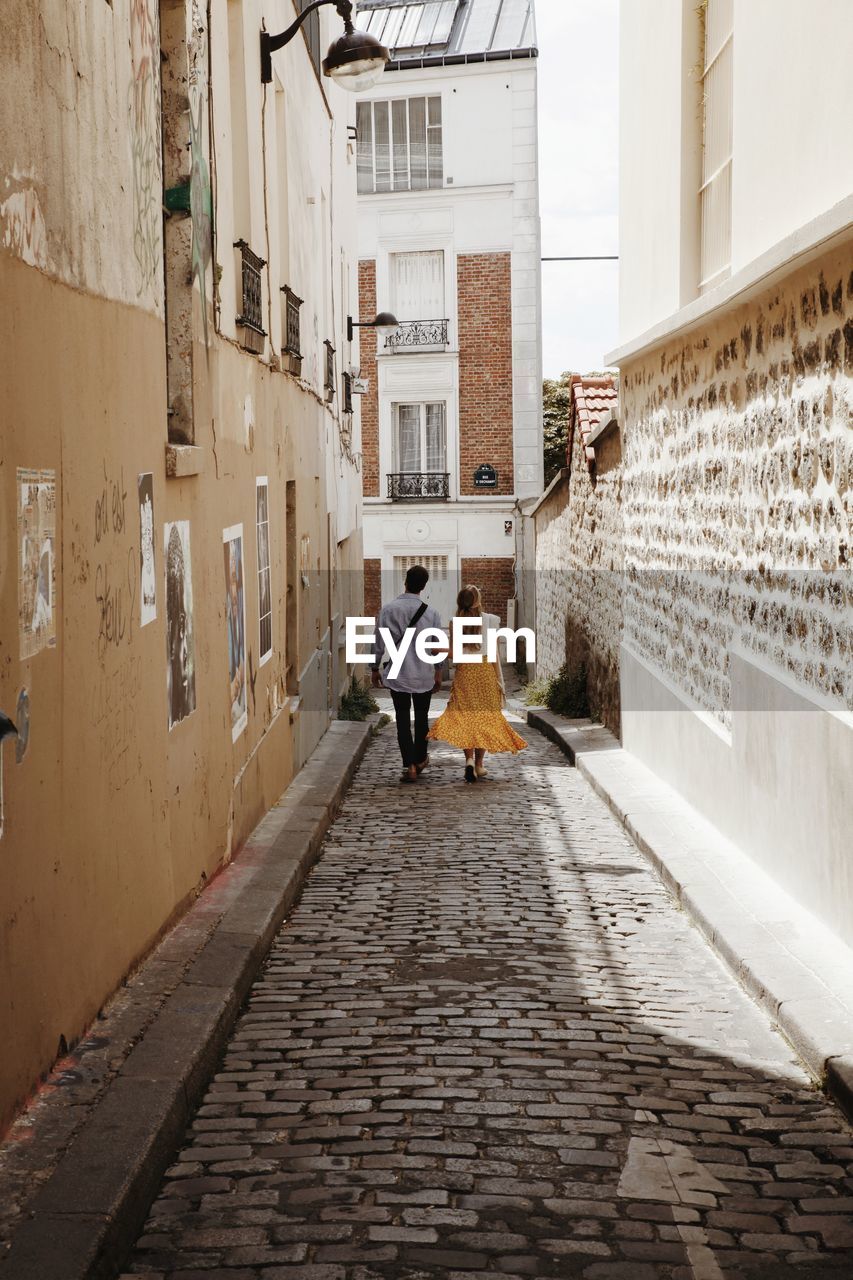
[(578, 178)]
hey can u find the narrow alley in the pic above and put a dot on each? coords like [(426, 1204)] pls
[(486, 1043)]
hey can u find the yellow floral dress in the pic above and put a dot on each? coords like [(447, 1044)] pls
[(473, 717)]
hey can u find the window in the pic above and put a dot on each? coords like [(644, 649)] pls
[(347, 405), (436, 566), (399, 144), (716, 190), (420, 437), (252, 313), (417, 286), (311, 31), (292, 337), (330, 369)]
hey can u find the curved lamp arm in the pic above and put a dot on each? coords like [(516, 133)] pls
[(269, 43)]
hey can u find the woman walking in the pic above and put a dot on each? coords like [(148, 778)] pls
[(473, 719)]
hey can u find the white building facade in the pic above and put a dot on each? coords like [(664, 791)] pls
[(449, 244), (736, 413)]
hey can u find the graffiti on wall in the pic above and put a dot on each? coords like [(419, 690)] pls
[(114, 705), (22, 228), (144, 111), (116, 572), (235, 611), (36, 561), (180, 640), (147, 574)]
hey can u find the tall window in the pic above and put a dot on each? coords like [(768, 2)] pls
[(417, 286), (716, 191), (420, 437), (399, 144), (311, 29)]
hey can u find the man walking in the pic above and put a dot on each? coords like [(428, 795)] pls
[(416, 681)]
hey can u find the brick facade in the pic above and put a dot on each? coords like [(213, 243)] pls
[(485, 369), (496, 579), (367, 359), (372, 588)]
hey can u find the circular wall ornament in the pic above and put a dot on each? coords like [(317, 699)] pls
[(418, 530)]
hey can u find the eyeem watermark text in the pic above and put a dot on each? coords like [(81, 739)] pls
[(433, 645)]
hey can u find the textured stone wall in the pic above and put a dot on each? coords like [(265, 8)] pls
[(495, 577), (579, 577), (738, 478), (367, 361), (484, 300)]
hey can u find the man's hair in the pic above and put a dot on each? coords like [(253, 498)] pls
[(416, 578)]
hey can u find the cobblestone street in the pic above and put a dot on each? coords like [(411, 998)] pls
[(485, 1044)]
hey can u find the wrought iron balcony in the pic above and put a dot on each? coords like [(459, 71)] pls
[(418, 334), (418, 485)]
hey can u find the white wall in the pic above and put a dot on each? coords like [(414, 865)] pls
[(793, 105)]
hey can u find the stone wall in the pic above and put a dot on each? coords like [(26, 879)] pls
[(579, 575), (738, 476)]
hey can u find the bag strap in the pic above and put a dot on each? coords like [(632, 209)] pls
[(415, 618)]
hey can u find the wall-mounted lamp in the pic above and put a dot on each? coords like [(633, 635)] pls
[(355, 61), (384, 324)]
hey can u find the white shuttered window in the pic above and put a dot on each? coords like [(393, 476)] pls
[(399, 145), (716, 191)]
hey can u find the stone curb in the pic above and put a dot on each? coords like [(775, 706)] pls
[(86, 1217), (800, 973)]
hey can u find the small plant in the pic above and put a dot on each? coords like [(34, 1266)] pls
[(565, 693), (358, 702), (535, 694), (377, 728)]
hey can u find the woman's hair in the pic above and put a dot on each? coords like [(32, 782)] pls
[(468, 602)]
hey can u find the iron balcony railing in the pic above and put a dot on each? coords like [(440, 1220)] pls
[(418, 485), (413, 334)]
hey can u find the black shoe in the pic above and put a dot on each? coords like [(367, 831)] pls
[(410, 774), (470, 775)]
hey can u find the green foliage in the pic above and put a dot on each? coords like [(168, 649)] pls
[(556, 395), (565, 694), (358, 702), (377, 728)]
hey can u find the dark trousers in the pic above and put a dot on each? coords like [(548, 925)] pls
[(412, 751)]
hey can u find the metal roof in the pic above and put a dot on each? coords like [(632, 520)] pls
[(413, 29)]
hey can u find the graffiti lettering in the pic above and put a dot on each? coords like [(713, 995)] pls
[(109, 507), (116, 605)]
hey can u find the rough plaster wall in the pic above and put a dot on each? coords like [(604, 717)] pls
[(737, 492), (579, 576), (80, 167)]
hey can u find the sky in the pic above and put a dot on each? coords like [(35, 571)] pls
[(578, 179)]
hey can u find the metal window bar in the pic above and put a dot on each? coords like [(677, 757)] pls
[(330, 369), (292, 335), (347, 405), (417, 486), (252, 315)]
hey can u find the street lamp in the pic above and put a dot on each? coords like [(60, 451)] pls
[(355, 60), (384, 324)]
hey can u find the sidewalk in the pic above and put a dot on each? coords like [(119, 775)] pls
[(795, 968)]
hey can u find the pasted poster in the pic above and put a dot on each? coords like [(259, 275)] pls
[(235, 610), (36, 561), (147, 577), (264, 574), (180, 671)]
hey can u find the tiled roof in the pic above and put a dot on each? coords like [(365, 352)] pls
[(413, 29), (593, 403)]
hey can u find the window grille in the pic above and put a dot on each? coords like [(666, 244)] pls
[(330, 369), (437, 566), (252, 315), (716, 189), (347, 405), (400, 144), (291, 322)]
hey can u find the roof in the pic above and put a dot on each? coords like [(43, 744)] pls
[(592, 407), (450, 29)]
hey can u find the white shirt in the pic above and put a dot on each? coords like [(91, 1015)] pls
[(415, 675)]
